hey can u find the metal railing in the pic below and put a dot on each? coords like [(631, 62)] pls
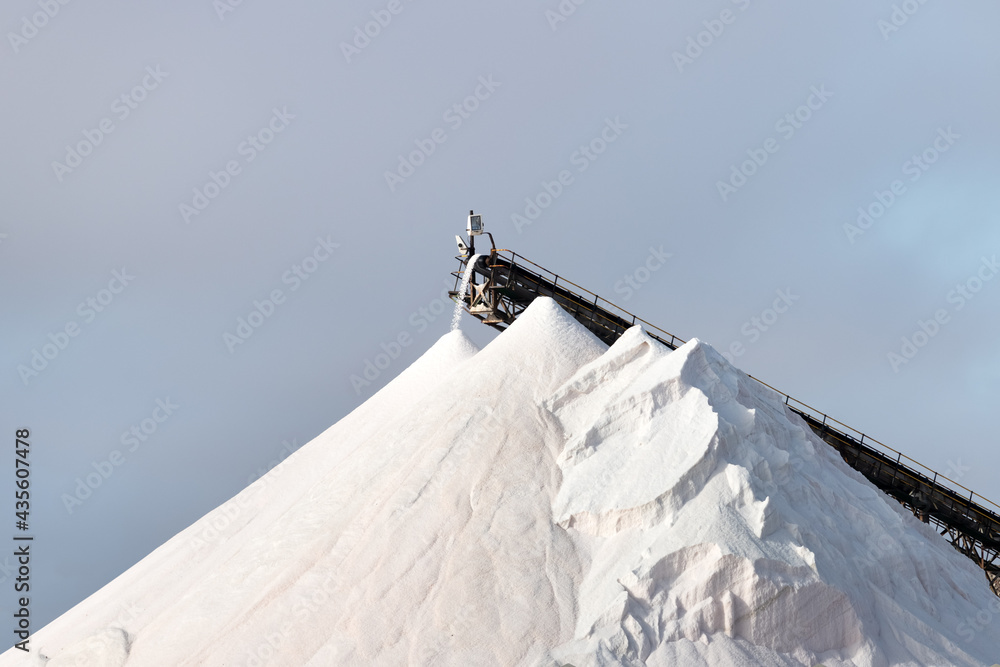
[(913, 468), (976, 503)]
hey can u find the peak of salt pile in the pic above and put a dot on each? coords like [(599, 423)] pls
[(548, 501)]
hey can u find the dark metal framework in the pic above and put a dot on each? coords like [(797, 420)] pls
[(971, 523), (511, 282)]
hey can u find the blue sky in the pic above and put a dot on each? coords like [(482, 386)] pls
[(169, 171)]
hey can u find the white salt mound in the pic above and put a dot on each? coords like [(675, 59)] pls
[(548, 501)]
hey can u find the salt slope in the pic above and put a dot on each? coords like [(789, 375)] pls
[(718, 530), (189, 591), (546, 501), (396, 536)]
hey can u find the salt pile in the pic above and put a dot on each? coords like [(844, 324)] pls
[(547, 501)]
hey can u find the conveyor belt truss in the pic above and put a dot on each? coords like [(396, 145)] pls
[(507, 283)]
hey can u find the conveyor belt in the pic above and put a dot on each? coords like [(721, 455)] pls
[(970, 522)]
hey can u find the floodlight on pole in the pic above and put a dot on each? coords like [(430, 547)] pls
[(475, 226)]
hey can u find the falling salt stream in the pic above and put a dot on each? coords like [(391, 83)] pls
[(456, 318)]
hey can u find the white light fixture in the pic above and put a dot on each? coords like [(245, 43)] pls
[(475, 226)]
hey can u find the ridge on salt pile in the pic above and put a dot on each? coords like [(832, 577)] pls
[(754, 544), (547, 501)]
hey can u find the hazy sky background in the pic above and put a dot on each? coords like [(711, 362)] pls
[(337, 123)]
